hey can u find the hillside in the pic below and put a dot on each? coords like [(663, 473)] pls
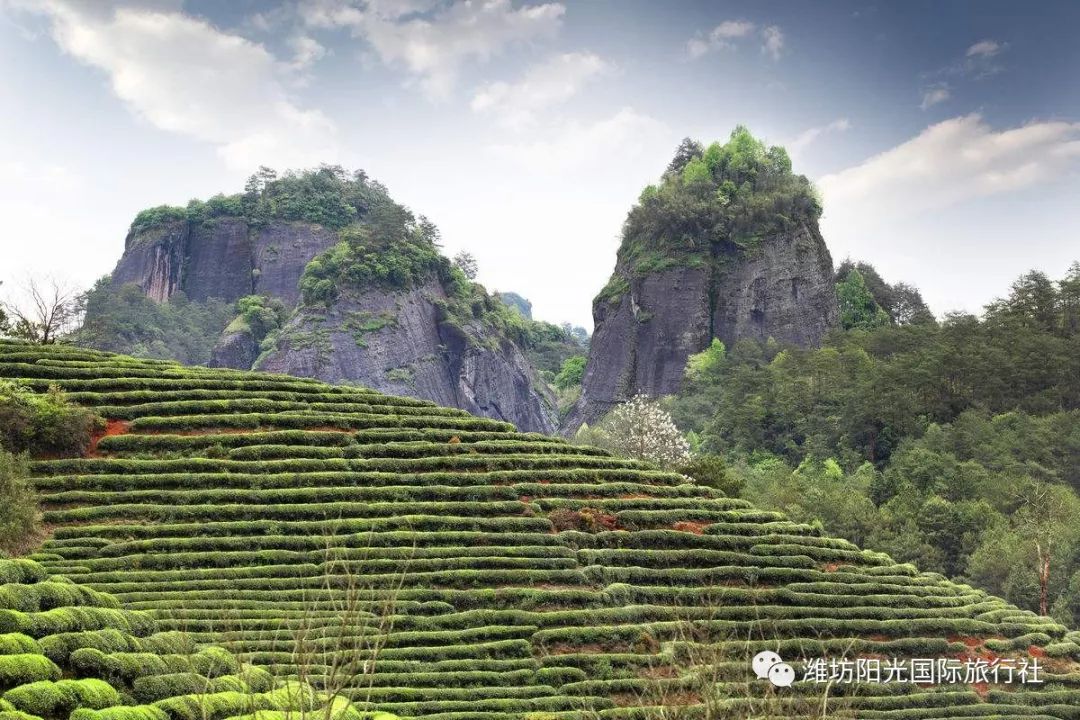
[(318, 274), (486, 573), (725, 247), (68, 651)]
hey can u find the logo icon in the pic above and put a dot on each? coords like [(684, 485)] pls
[(767, 664)]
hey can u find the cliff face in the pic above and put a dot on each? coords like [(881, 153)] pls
[(221, 259), (396, 342), (400, 343), (154, 260), (782, 289)]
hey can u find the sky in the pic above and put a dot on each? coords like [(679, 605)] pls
[(944, 135)]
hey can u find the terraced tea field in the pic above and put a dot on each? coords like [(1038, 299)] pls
[(66, 650), (481, 573)]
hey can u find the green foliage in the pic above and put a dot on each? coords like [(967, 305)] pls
[(688, 150), (616, 287), (707, 362), (858, 308), (43, 423), (327, 196), (259, 315), (157, 216), (125, 320), (20, 521), (50, 699), (516, 301), (695, 172), (390, 250), (571, 372), (902, 302), (711, 471)]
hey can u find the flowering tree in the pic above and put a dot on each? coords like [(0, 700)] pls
[(642, 430)]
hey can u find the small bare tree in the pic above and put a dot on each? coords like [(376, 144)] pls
[(465, 262), (49, 310)]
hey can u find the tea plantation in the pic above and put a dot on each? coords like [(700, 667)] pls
[(476, 572), (68, 651)]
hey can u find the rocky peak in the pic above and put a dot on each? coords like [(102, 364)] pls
[(726, 246), (379, 304)]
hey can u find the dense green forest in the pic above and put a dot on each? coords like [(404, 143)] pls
[(951, 444)]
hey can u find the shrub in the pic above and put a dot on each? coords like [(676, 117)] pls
[(43, 423), (20, 520), (711, 471), (587, 519), (571, 373), (46, 699)]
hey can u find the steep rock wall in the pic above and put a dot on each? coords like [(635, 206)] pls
[(154, 260), (223, 259), (400, 343), (781, 289)]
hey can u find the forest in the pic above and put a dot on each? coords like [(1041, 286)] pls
[(953, 444)]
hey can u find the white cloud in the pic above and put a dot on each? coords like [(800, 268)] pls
[(575, 145), (696, 47), (432, 43), (935, 94), (732, 29), (183, 75), (772, 42), (720, 37), (808, 136), (306, 52), (984, 48), (950, 162), (552, 82)]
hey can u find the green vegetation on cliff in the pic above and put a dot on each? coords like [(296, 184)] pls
[(328, 196), (390, 249), (721, 198)]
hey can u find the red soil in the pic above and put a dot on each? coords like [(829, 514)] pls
[(112, 427), (691, 527)]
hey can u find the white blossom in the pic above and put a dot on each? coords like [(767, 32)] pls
[(642, 430)]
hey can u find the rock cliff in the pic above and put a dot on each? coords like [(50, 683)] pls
[(395, 342), (221, 259), (404, 344), (717, 275)]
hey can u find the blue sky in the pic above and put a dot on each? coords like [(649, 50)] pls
[(945, 135)]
